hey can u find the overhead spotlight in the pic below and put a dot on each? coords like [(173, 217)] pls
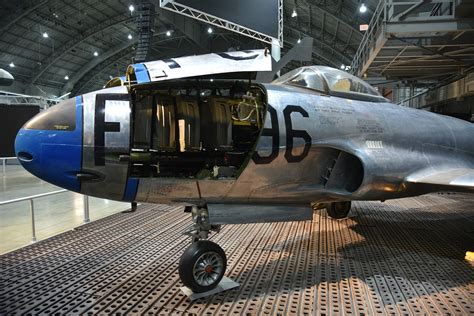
[(343, 67), (362, 8), (11, 65), (131, 8), (45, 35), (299, 40), (294, 14), (212, 80), (130, 36), (209, 30), (168, 33), (96, 54), (66, 77)]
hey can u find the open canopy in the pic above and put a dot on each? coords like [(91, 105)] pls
[(200, 65)]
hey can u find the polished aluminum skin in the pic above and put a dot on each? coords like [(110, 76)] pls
[(113, 172), (314, 147), (403, 151)]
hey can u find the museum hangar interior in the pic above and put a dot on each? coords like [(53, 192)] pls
[(237, 157)]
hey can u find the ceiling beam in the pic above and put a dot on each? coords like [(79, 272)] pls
[(189, 27), (21, 16), (342, 57), (63, 50), (178, 52), (340, 20), (115, 54), (85, 69), (92, 64)]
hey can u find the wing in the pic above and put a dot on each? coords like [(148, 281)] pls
[(445, 178)]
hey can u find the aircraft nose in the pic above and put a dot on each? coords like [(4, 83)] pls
[(50, 145)]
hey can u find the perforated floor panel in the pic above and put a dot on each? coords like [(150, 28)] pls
[(399, 257)]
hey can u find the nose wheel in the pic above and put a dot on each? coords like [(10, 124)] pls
[(202, 265), (338, 210)]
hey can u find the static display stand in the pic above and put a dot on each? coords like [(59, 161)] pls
[(224, 285)]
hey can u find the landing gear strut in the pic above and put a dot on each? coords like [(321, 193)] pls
[(202, 264)]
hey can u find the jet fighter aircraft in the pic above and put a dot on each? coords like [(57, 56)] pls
[(192, 130)]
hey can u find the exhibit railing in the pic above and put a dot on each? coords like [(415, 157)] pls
[(32, 198), (4, 160), (369, 39), (10, 98), (392, 11)]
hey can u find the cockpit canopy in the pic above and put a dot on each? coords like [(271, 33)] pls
[(331, 81)]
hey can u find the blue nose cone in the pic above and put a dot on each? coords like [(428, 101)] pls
[(50, 145)]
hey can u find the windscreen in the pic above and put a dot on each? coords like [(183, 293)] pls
[(308, 79), (334, 81), (341, 81)]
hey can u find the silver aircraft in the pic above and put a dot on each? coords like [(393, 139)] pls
[(197, 131)]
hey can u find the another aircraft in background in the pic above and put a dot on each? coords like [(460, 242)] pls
[(6, 79), (232, 151)]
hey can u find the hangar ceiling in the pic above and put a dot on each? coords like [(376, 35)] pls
[(64, 46)]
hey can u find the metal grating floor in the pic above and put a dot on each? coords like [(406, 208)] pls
[(399, 257)]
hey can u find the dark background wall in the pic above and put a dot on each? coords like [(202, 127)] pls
[(12, 118), (258, 15)]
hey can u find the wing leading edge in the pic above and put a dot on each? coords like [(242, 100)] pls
[(445, 178)]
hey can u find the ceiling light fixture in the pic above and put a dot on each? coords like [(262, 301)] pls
[(362, 8), (131, 8), (45, 35), (209, 30), (299, 40), (11, 65), (66, 77), (130, 36), (294, 14), (343, 67), (168, 33), (96, 54)]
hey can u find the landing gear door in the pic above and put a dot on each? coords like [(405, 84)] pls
[(106, 138)]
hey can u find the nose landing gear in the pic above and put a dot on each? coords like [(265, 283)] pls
[(202, 265), (338, 210)]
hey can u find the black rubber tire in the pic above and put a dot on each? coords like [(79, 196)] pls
[(189, 258), (338, 210)]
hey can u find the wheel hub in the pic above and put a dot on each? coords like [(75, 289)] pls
[(208, 268)]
